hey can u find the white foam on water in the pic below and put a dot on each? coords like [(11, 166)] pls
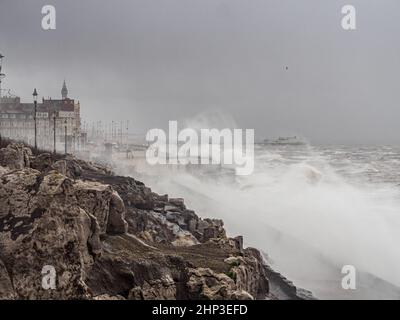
[(288, 206)]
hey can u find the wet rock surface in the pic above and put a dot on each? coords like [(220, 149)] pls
[(15, 156), (111, 237)]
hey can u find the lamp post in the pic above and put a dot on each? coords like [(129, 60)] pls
[(2, 75), (74, 140), (65, 135), (54, 133), (35, 94), (78, 140)]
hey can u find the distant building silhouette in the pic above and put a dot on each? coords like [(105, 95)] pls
[(64, 91), (17, 120)]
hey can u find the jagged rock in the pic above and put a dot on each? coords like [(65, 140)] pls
[(177, 202), (282, 288), (74, 169), (15, 190), (140, 201), (15, 156), (154, 225), (214, 229), (3, 170), (181, 228), (238, 241), (50, 220), (213, 232), (160, 289), (160, 201), (234, 261), (116, 217), (60, 166), (250, 274), (43, 226), (42, 162), (6, 288), (205, 284), (158, 218), (108, 297), (241, 295), (184, 239), (137, 271), (74, 215), (96, 198)]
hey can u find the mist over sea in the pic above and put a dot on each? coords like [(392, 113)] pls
[(310, 209)]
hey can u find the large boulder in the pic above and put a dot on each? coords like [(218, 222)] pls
[(74, 169), (60, 166), (249, 273), (205, 284), (42, 162), (159, 289), (6, 288), (3, 170), (116, 216), (15, 188), (48, 220), (15, 156), (42, 226)]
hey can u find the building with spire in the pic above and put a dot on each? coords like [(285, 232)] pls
[(64, 91), (61, 115)]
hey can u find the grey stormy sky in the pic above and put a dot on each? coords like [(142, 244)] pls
[(151, 61)]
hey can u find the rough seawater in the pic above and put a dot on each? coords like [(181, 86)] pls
[(311, 210)]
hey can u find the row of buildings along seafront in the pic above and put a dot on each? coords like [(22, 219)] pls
[(17, 121)]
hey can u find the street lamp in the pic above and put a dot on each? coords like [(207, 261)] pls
[(65, 135), (54, 132), (2, 75), (35, 94), (74, 139)]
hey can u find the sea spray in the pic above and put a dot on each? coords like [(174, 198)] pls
[(309, 216)]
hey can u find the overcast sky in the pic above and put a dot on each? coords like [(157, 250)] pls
[(151, 61)]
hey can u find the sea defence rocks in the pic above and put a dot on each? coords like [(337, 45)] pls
[(15, 156), (249, 272), (205, 284), (50, 220), (111, 237), (283, 289), (6, 288), (158, 218)]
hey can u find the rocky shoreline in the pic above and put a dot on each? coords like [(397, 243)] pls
[(111, 237)]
